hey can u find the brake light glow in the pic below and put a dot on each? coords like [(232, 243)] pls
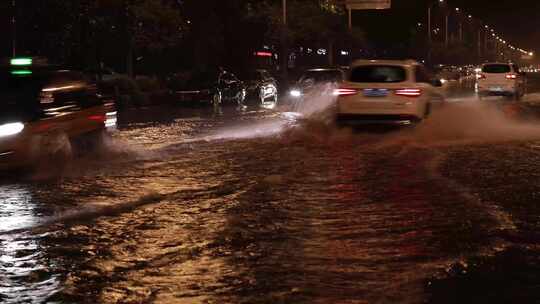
[(409, 92), (345, 92), (98, 118), (263, 54), (511, 76)]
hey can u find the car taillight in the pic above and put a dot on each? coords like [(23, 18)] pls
[(409, 92), (98, 118), (511, 76), (345, 92)]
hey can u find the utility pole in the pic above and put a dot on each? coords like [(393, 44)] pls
[(479, 44), (350, 19), (429, 34), (446, 30), (284, 12), (129, 37), (429, 24), (461, 32), (14, 28), (284, 62)]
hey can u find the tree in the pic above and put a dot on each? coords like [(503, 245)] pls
[(146, 28), (311, 23)]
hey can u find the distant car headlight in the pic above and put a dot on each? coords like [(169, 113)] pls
[(296, 93), (11, 129)]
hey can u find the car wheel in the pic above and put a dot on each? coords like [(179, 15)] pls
[(53, 154), (93, 141), (261, 96), (216, 99), (427, 111), (240, 98)]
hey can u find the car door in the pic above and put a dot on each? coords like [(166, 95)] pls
[(228, 84), (270, 87)]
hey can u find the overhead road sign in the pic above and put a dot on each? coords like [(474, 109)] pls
[(368, 4)]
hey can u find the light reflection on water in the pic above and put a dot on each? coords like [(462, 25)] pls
[(16, 208), (25, 275)]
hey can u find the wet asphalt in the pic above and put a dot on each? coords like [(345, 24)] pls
[(249, 205)]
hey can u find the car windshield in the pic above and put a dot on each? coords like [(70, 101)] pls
[(496, 68), (322, 76), (378, 73)]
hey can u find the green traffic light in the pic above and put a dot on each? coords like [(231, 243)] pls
[(21, 61), (21, 72)]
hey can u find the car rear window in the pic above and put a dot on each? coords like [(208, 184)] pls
[(378, 73), (496, 68)]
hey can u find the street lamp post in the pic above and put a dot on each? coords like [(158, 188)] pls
[(479, 45), (486, 37), (430, 40), (460, 24)]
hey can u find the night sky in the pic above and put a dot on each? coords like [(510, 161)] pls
[(518, 23)]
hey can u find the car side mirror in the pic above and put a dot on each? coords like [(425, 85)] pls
[(437, 83)]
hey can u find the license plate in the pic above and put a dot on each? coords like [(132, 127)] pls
[(375, 92), (496, 89)]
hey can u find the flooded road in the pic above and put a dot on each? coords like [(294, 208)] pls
[(263, 206)]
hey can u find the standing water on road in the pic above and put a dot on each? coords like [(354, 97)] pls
[(263, 207)]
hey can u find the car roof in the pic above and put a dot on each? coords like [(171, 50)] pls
[(323, 70), (501, 63), (384, 62)]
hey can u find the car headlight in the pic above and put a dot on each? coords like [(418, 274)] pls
[(296, 93), (11, 129)]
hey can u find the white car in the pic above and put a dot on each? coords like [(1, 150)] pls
[(501, 79), (387, 91)]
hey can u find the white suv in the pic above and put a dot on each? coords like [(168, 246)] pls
[(501, 79), (387, 91)]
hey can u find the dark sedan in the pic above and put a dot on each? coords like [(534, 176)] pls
[(261, 87), (213, 87)]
